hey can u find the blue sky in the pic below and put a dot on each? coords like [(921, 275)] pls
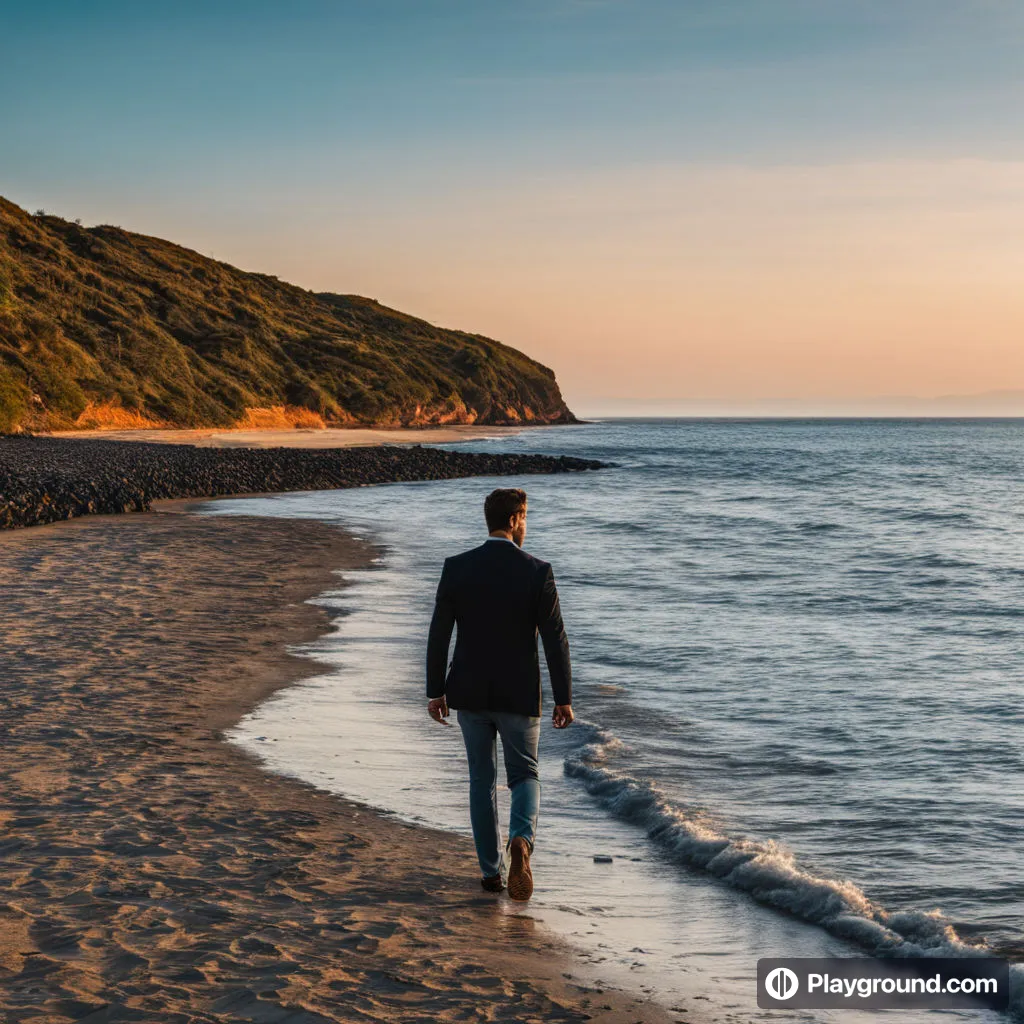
[(197, 120), (128, 88)]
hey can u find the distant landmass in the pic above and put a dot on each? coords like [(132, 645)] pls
[(100, 327), (988, 404)]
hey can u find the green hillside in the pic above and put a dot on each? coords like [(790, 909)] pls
[(103, 327)]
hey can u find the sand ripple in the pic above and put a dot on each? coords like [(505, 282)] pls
[(151, 872)]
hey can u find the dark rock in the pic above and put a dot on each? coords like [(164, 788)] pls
[(46, 479)]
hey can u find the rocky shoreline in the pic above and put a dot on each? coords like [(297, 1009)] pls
[(46, 479)]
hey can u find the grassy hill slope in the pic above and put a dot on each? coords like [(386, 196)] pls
[(103, 327)]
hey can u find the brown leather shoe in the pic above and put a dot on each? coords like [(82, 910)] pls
[(520, 877), (492, 884)]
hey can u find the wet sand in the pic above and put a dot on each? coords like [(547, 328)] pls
[(149, 871)]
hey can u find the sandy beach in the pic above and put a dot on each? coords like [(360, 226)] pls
[(150, 871), (353, 437)]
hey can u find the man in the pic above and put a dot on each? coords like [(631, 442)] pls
[(499, 597)]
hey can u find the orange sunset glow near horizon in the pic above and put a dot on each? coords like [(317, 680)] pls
[(774, 209), (720, 288)]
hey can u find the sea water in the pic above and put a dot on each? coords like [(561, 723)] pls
[(797, 650)]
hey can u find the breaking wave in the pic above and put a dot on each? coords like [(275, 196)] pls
[(766, 870)]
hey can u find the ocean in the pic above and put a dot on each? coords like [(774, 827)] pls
[(797, 651)]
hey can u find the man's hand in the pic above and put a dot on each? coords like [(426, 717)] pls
[(438, 709), (562, 716)]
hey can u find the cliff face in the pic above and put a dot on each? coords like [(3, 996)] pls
[(102, 327)]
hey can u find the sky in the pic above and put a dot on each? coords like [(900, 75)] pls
[(678, 205)]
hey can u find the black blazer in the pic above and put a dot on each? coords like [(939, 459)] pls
[(499, 596)]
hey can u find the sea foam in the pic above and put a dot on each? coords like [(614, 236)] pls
[(767, 870)]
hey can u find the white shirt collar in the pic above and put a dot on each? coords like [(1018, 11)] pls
[(507, 540)]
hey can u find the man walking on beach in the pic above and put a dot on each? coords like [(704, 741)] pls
[(499, 597)]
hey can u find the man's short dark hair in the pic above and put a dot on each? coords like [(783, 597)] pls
[(501, 505)]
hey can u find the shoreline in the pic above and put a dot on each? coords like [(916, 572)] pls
[(135, 881), (330, 437), (47, 479)]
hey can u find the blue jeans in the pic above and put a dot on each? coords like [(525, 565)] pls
[(520, 736)]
